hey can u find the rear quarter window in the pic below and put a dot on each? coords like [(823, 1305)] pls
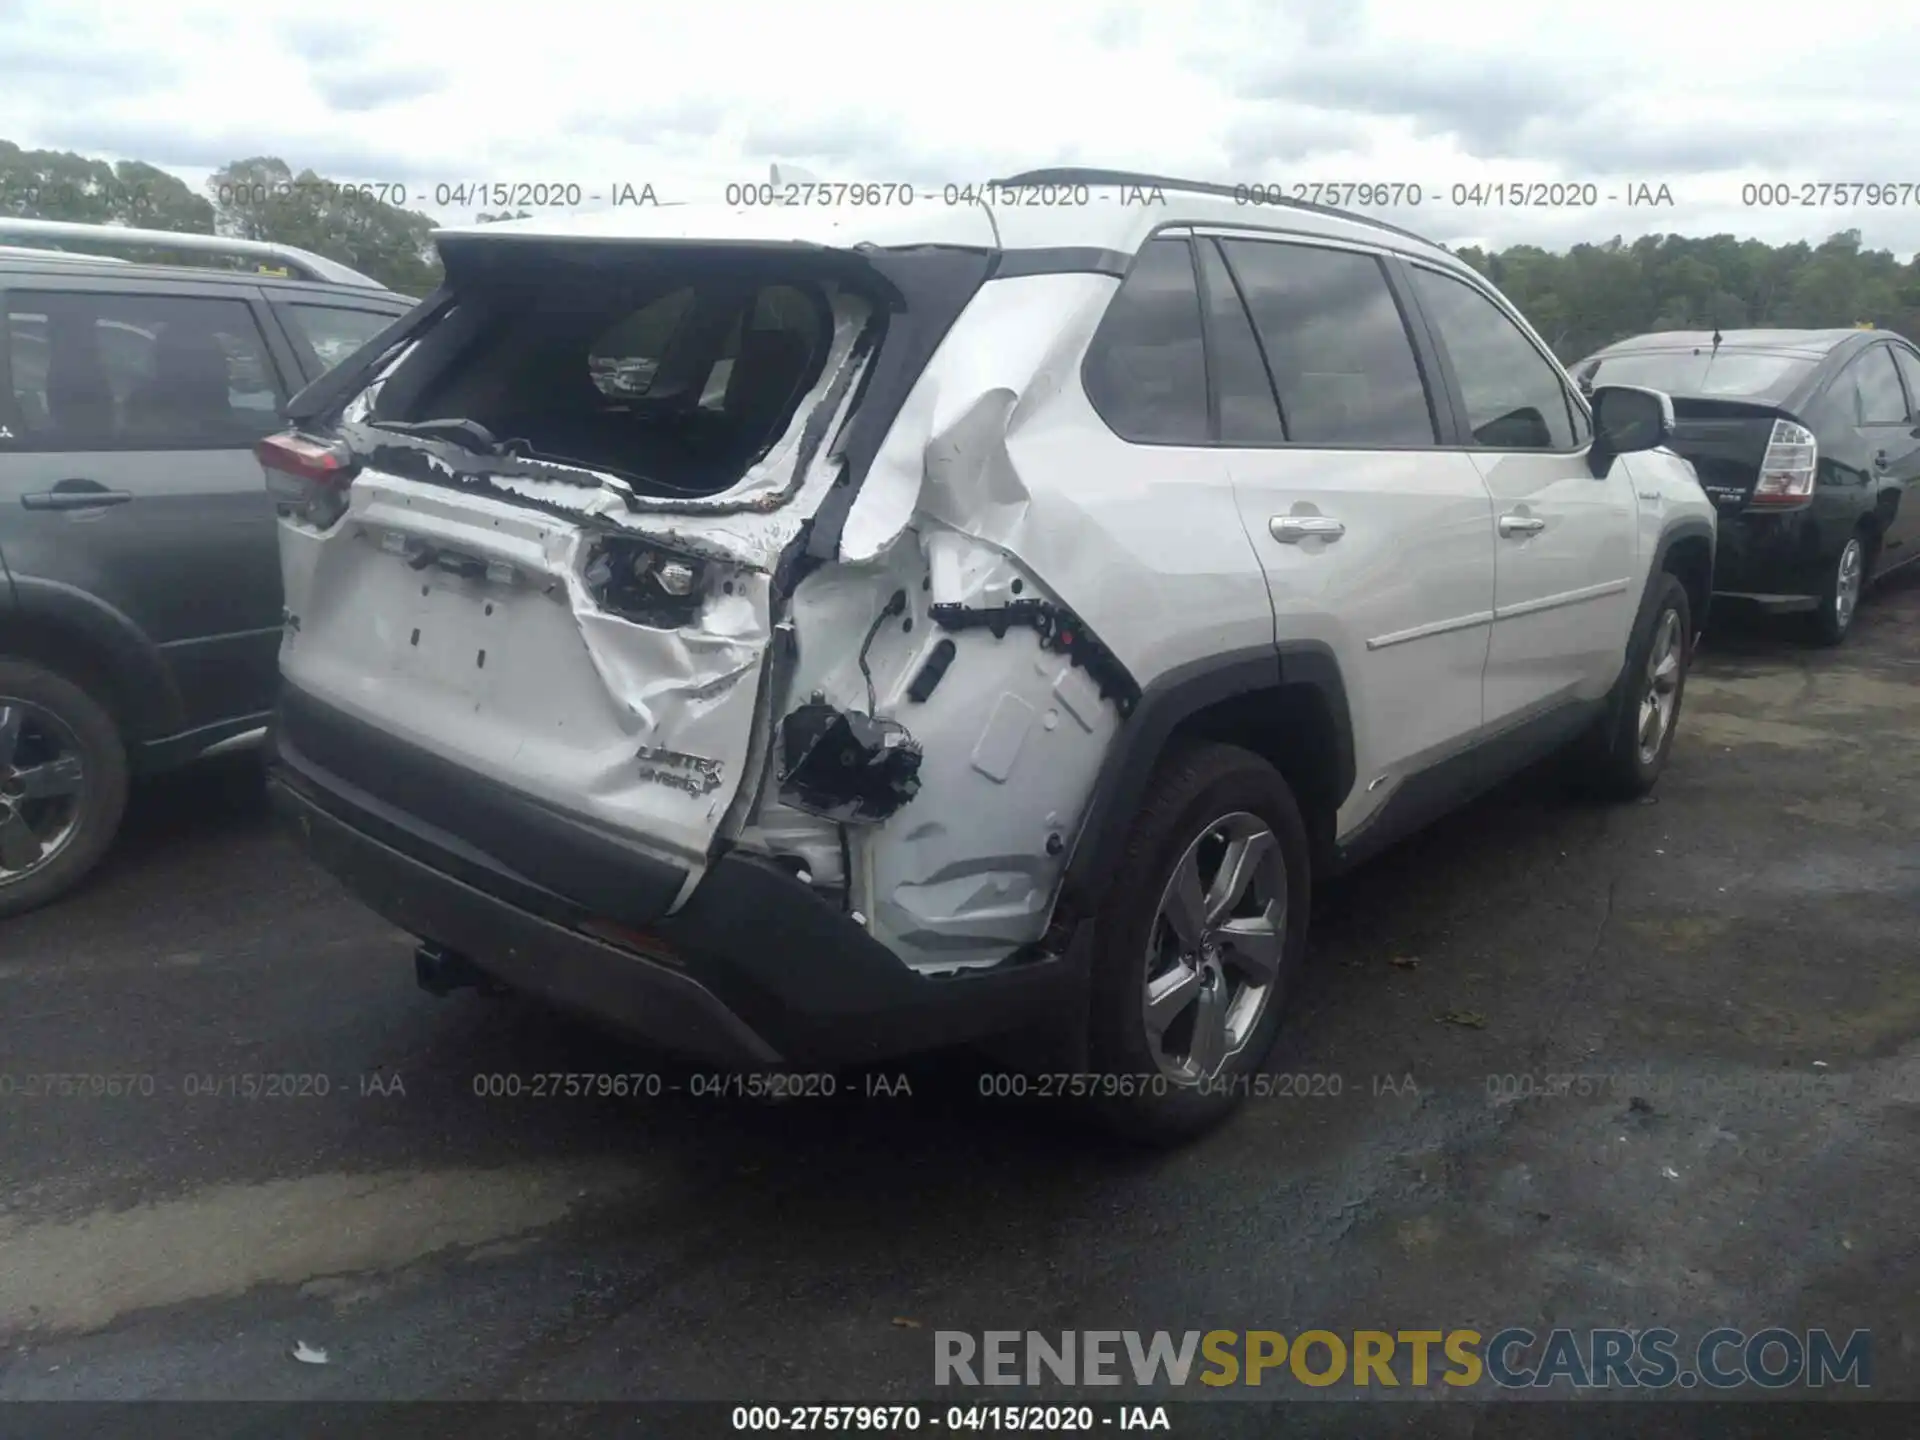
[(1146, 371), (330, 333)]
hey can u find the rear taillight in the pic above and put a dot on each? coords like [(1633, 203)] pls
[(308, 477), (1786, 474)]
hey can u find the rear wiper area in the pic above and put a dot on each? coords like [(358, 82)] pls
[(467, 452), (469, 434)]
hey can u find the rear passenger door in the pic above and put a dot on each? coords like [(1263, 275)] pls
[(130, 475), (1374, 538), (1885, 427), (1904, 538), (1566, 543)]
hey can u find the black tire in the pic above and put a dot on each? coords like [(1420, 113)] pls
[(1613, 764), (101, 799), (1832, 623), (1195, 790)]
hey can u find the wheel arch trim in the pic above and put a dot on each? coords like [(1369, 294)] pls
[(143, 696), (1169, 702)]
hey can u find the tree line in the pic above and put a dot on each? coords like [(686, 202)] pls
[(1579, 301)]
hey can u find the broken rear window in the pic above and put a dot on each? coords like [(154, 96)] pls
[(677, 385)]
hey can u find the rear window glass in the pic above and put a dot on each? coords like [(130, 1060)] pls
[(1737, 374), (681, 384)]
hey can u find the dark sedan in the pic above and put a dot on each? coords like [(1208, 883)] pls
[(1809, 443)]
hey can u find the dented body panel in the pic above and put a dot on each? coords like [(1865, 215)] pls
[(644, 728), (841, 700)]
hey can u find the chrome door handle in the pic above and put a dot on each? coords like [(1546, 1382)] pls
[(58, 499), (1292, 529), (1511, 525)]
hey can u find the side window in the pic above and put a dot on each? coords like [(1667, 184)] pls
[(1876, 388), (25, 411), (1335, 343), (106, 371), (1909, 368), (1146, 370), (1514, 397), (330, 333), (1248, 414), (625, 359)]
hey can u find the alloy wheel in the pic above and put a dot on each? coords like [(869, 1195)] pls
[(1213, 956), (1846, 584), (1661, 696), (42, 787)]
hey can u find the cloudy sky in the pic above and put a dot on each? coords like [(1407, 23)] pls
[(1704, 99)]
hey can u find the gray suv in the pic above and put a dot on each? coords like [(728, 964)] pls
[(139, 575)]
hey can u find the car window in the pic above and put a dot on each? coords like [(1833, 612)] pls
[(1701, 372), (625, 359), (1335, 343), (24, 409), (1515, 399), (1875, 383), (1146, 371), (333, 332), (612, 377), (1248, 413), (1909, 366), (114, 371)]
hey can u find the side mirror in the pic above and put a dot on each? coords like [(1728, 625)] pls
[(1627, 419)]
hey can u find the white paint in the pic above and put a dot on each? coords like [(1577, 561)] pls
[(568, 693)]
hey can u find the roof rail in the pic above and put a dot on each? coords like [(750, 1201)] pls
[(1074, 175), (304, 263), (58, 255)]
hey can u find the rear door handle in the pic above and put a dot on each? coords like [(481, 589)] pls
[(75, 495), (1511, 525), (1292, 529)]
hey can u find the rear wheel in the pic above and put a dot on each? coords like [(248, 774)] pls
[(1199, 941), (1840, 598), (63, 785)]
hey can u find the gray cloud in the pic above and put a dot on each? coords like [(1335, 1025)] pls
[(67, 69), (1287, 135), (1118, 28), (1623, 139), (1328, 22), (697, 117), (324, 40), (358, 89), (835, 137), (1490, 103)]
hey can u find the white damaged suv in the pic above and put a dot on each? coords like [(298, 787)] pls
[(802, 636)]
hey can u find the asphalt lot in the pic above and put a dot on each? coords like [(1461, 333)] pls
[(1751, 937)]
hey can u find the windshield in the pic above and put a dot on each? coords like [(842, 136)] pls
[(1743, 374)]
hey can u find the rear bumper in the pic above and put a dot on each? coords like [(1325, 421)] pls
[(755, 970), (1777, 562)]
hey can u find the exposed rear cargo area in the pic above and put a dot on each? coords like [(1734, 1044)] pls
[(548, 549)]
